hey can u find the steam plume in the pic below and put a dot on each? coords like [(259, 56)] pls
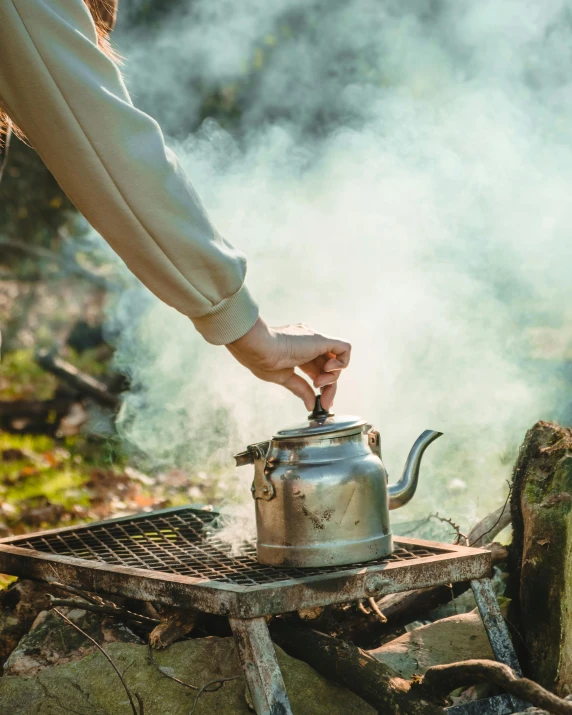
[(401, 178)]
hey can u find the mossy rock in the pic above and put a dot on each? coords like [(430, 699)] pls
[(90, 685)]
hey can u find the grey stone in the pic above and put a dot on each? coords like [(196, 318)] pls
[(52, 641), (461, 637), (90, 686), (19, 606)]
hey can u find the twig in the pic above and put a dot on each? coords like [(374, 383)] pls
[(375, 608), (456, 527), (141, 705), (115, 668), (166, 675), (440, 680), (504, 517), (110, 610), (218, 683), (363, 609), (87, 595), (204, 689)]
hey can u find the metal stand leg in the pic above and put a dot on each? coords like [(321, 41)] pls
[(494, 624), (262, 671), (497, 631)]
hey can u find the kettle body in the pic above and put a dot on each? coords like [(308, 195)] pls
[(321, 493), (330, 505)]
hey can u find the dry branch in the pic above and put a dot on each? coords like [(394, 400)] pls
[(175, 624), (488, 528), (440, 680), (354, 669), (76, 379), (114, 611)]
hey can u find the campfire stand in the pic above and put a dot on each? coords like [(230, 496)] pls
[(173, 557)]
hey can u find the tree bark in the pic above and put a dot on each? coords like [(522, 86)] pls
[(541, 554), (440, 680)]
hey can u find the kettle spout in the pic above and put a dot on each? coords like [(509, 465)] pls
[(403, 491)]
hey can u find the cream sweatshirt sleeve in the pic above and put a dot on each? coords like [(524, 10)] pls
[(112, 162)]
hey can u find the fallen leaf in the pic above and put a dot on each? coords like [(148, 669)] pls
[(28, 471), (142, 500)]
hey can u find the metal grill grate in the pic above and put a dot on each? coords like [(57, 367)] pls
[(184, 543)]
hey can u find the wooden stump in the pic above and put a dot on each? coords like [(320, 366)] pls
[(542, 553)]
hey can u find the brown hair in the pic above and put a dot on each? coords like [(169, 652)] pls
[(103, 13)]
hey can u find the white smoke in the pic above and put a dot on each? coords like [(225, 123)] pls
[(400, 178)]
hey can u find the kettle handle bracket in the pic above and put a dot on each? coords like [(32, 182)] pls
[(247, 457), (262, 487), (374, 442)]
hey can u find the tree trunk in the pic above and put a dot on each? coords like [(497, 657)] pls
[(541, 554)]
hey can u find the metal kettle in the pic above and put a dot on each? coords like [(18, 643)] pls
[(321, 493)]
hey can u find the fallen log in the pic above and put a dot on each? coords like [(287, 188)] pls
[(76, 379), (35, 416), (485, 531), (353, 668)]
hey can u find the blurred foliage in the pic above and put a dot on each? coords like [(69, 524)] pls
[(21, 378), (45, 482), (32, 205)]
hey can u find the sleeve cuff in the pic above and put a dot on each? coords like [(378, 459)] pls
[(229, 320)]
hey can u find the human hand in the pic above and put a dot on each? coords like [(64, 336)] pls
[(272, 354)]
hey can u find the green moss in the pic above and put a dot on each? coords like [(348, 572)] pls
[(37, 469), (60, 486), (21, 378)]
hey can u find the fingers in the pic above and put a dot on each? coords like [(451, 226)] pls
[(326, 378), (333, 364), (339, 350), (328, 394), (299, 387)]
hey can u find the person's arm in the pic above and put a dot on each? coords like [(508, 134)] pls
[(110, 158)]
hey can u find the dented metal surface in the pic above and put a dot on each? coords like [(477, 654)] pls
[(169, 557), (321, 492)]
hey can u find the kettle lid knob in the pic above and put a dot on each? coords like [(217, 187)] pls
[(319, 412)]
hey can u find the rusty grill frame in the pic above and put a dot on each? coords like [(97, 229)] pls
[(245, 591), (251, 591)]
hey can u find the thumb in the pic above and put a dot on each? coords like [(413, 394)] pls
[(299, 387)]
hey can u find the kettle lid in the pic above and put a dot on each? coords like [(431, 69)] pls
[(321, 422)]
